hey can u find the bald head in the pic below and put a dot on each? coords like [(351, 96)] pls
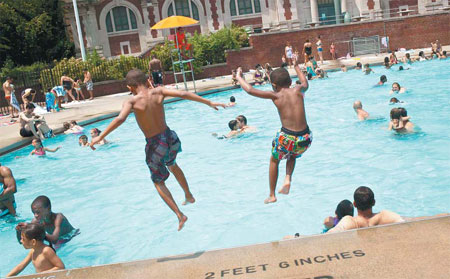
[(357, 105)]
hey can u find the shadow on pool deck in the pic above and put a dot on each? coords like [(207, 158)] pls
[(419, 249)]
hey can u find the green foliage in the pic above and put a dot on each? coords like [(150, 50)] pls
[(32, 31)]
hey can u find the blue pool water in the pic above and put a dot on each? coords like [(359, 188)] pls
[(109, 196)]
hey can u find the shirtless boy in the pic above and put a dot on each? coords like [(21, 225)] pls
[(57, 227), (7, 189), (8, 88), (294, 138), (400, 121), (242, 124), (364, 200), (362, 114), (156, 70), (163, 144)]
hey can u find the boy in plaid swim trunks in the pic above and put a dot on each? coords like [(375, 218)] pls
[(163, 144), (294, 138)]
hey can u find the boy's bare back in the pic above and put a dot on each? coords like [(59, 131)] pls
[(291, 108), (149, 111)]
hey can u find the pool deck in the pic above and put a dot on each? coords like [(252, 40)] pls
[(109, 106), (418, 249)]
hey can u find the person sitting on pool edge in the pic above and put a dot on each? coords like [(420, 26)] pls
[(364, 200), (294, 138), (57, 227), (242, 124), (7, 190), (163, 144), (362, 114), (400, 121)]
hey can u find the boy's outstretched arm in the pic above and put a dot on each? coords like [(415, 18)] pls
[(126, 110), (18, 269), (190, 96), (301, 77), (252, 91)]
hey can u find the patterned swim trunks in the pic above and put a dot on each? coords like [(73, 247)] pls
[(161, 151), (89, 85), (289, 144)]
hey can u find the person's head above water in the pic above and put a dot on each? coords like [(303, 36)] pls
[(358, 65), (32, 233), (242, 119), (280, 78), (395, 114), (386, 60), (232, 99), (396, 86), (36, 142), (394, 100), (344, 208), (403, 112), (383, 78), (95, 132), (83, 139), (364, 198), (66, 125), (233, 124), (357, 105), (134, 79), (407, 55), (400, 68), (41, 208)]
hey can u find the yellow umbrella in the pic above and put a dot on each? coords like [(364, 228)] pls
[(174, 22)]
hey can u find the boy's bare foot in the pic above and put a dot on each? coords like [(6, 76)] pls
[(188, 200), (270, 200), (181, 222), (285, 189)]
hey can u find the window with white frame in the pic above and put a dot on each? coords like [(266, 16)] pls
[(120, 19), (183, 8), (244, 7), (125, 47)]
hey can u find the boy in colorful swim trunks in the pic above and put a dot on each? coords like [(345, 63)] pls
[(163, 144), (57, 227), (294, 138)]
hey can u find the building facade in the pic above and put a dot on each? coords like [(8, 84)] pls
[(122, 27)]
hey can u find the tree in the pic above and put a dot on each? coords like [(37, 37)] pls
[(32, 31)]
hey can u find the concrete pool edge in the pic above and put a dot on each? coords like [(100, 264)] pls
[(414, 248)]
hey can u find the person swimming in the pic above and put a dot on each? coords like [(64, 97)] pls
[(396, 88), (362, 114), (232, 102), (400, 121), (358, 66), (394, 100), (83, 141), (383, 80), (344, 208), (95, 132), (234, 127), (39, 149)]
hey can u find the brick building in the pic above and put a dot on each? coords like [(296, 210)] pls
[(115, 27)]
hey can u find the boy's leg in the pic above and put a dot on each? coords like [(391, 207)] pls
[(273, 177), (168, 199), (290, 165), (179, 175), (91, 94)]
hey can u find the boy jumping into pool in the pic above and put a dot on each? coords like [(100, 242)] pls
[(294, 138), (162, 143)]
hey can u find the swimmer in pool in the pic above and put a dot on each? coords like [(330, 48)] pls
[(232, 102), (95, 133), (344, 208), (343, 68), (57, 227), (362, 114), (163, 144), (7, 190), (400, 121), (358, 66), (367, 69), (242, 124), (394, 100), (383, 80), (83, 141), (234, 127), (39, 149), (396, 88), (72, 128), (44, 258), (294, 138)]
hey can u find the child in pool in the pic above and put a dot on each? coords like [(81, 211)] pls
[(400, 121), (39, 149), (343, 68), (367, 69), (396, 88), (344, 208), (72, 128), (43, 257), (394, 100), (294, 138), (56, 225), (362, 114), (95, 133), (163, 144), (234, 127), (83, 141), (232, 102), (383, 80)]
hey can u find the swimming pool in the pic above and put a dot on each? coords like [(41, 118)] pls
[(108, 193)]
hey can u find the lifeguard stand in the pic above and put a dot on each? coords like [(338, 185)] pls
[(180, 62)]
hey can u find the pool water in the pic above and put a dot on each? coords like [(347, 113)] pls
[(108, 193)]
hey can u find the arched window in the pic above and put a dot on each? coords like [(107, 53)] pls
[(184, 8), (244, 7), (120, 19)]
